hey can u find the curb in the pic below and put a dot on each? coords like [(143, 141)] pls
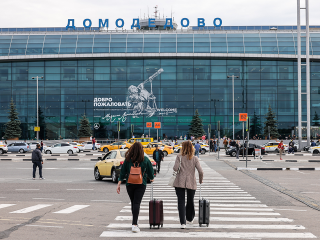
[(278, 169)]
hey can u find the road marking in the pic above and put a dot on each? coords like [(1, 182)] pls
[(27, 189), (247, 235), (106, 201), (6, 205), (215, 226), (72, 209), (309, 192), (211, 197), (80, 189), (48, 199), (44, 226), (291, 210), (3, 197), (213, 213), (222, 209), (174, 202), (33, 208), (222, 219)]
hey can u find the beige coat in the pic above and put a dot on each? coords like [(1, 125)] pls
[(186, 178)]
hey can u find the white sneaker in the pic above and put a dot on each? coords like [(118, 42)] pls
[(190, 223), (135, 229), (183, 226)]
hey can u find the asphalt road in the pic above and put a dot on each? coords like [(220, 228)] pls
[(70, 204)]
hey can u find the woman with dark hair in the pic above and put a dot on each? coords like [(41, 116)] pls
[(186, 181), (135, 157)]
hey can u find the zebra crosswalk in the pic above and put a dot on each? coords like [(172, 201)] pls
[(37, 207), (234, 213)]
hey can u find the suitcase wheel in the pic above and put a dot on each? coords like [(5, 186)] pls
[(150, 226), (158, 226), (208, 225), (162, 225), (199, 225)]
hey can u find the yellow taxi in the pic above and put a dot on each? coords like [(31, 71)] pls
[(273, 147), (3, 148), (144, 141), (204, 148), (151, 147), (115, 145), (110, 164)]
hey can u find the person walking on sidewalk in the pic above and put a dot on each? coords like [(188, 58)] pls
[(93, 143), (135, 156), (37, 162), (158, 157), (225, 143), (186, 182), (197, 148), (237, 149), (281, 148)]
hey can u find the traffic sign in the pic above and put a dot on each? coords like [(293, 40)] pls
[(149, 124), (37, 129), (243, 117), (157, 125)]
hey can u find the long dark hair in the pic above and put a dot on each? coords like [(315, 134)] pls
[(187, 149), (135, 153)]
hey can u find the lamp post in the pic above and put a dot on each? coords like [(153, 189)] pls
[(233, 76), (37, 77)]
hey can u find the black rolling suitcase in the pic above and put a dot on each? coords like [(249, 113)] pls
[(155, 211), (204, 210)]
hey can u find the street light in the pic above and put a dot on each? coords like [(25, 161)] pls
[(37, 77), (233, 76)]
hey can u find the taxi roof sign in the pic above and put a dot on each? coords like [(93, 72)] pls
[(243, 117), (157, 125), (149, 124)]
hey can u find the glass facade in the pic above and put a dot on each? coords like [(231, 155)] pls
[(111, 89)]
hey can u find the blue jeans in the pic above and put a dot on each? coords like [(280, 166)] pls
[(197, 153), (93, 146)]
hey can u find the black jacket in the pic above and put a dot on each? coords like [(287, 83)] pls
[(161, 155), (36, 156)]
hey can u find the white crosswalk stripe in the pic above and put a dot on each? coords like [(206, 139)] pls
[(72, 209), (32, 208), (6, 205), (230, 208)]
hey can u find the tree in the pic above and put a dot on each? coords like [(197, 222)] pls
[(255, 128), (196, 126), (316, 119), (12, 128), (271, 122), (85, 129)]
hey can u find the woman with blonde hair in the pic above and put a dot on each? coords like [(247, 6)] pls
[(185, 165)]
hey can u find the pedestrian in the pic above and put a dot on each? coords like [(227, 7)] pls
[(281, 148), (186, 182), (291, 147), (237, 145), (41, 148), (91, 138), (197, 147), (37, 161), (203, 137), (215, 145), (225, 143), (158, 157), (185, 137), (93, 143), (135, 157), (211, 145), (313, 144)]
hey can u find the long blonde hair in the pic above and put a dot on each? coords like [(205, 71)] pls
[(187, 149)]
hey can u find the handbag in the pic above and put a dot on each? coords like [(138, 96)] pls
[(174, 175), (135, 176)]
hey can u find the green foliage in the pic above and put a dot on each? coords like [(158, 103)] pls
[(196, 126), (316, 119), (13, 129), (85, 129), (255, 128), (272, 123)]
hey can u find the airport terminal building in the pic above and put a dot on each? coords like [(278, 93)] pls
[(140, 76)]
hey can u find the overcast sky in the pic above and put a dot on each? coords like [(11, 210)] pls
[(55, 13)]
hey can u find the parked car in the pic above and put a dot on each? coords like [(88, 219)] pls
[(204, 148), (88, 145), (62, 148), (233, 152), (144, 141), (20, 147), (3, 148), (115, 145), (306, 148), (109, 166), (33, 145), (273, 147), (80, 146)]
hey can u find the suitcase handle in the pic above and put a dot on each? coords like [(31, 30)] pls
[(151, 194), (200, 192)]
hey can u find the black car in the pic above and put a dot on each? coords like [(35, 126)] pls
[(233, 152)]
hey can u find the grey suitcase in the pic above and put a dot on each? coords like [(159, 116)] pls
[(204, 211)]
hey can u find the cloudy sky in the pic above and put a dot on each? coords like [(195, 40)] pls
[(55, 13)]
